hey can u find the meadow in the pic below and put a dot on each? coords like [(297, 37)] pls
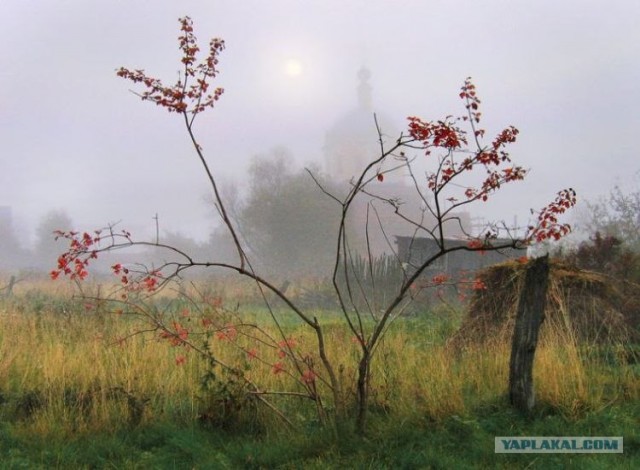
[(83, 387)]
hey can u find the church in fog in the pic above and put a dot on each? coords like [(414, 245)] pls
[(350, 144), (353, 141)]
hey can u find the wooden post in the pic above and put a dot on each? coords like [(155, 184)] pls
[(529, 318), (9, 287)]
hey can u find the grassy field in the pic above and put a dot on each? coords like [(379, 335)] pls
[(77, 391)]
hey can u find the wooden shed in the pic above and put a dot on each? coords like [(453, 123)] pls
[(415, 250)]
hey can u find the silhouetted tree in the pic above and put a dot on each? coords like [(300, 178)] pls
[(12, 254), (290, 228), (47, 248), (608, 255), (617, 215)]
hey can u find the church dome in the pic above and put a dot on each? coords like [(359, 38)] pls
[(352, 141)]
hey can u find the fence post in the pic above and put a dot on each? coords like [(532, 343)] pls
[(9, 287), (529, 318)]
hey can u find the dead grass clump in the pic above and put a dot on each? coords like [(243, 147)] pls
[(582, 306)]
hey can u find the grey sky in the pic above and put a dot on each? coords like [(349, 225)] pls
[(566, 73)]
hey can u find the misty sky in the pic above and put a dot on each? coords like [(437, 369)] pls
[(566, 73)]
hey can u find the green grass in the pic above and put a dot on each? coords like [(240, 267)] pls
[(71, 396), (455, 442)]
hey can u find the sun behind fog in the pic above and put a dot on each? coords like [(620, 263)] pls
[(293, 68)]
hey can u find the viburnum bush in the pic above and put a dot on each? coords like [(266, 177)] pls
[(454, 148)]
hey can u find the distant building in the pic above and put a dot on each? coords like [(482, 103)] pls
[(415, 251), (351, 143)]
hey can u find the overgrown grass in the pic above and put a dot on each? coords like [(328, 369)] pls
[(75, 396), (454, 442)]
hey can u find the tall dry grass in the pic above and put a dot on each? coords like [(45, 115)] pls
[(80, 377)]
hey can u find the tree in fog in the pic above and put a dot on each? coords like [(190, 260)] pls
[(47, 248), (616, 215), (12, 254), (286, 224)]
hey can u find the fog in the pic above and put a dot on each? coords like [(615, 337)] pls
[(73, 137)]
